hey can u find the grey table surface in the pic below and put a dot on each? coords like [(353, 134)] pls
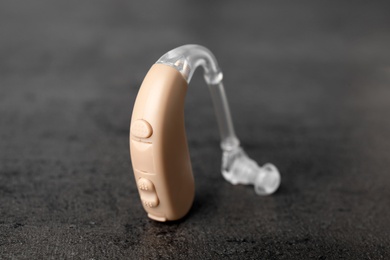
[(308, 84)]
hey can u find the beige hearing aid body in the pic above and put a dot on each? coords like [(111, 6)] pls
[(158, 145)]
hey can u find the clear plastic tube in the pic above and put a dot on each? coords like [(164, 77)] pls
[(237, 167)]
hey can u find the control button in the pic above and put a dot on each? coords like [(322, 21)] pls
[(141, 129), (148, 193), (150, 203), (145, 185), (142, 156)]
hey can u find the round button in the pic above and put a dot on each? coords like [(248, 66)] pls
[(141, 129)]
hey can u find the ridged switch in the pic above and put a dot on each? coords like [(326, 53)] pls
[(148, 193)]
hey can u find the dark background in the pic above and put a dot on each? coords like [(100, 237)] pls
[(308, 84)]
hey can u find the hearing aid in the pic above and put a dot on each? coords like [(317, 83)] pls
[(158, 144)]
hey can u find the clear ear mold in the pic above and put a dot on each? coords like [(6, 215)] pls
[(237, 167)]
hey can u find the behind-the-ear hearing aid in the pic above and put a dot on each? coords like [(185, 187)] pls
[(158, 144)]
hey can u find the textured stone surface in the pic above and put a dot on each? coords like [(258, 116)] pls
[(308, 84)]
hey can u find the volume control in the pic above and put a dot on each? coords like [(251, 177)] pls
[(148, 193), (141, 129)]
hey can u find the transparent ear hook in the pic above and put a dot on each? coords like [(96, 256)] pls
[(237, 167)]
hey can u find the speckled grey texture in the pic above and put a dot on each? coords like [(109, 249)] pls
[(308, 84)]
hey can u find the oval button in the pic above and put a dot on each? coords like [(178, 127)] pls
[(141, 129), (145, 185), (148, 193)]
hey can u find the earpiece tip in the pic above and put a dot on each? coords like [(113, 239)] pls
[(268, 180)]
